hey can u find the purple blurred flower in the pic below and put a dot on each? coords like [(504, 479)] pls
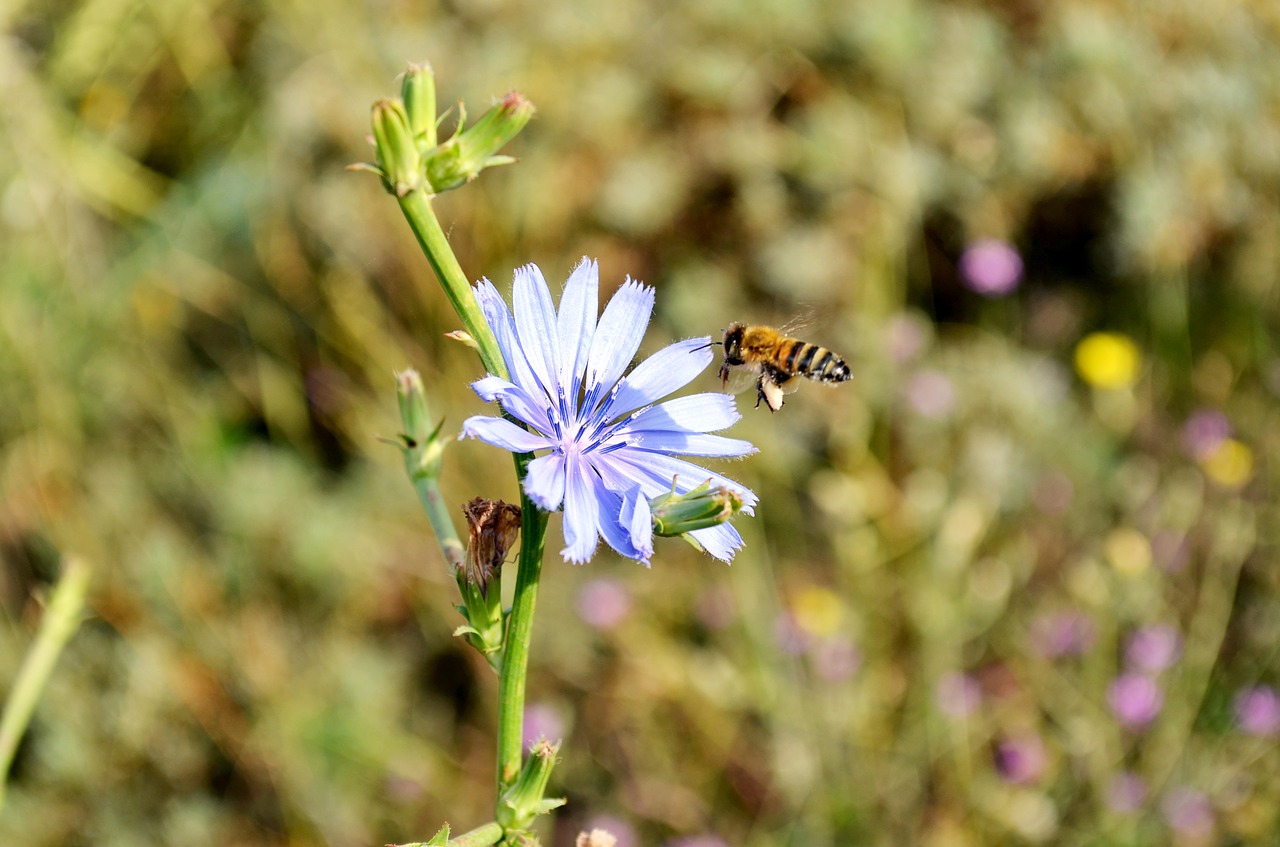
[(541, 721), (1135, 699), (1060, 634), (957, 694), (1258, 711), (1204, 432), (930, 393), (837, 658), (1021, 759), (618, 828), (1153, 648), (991, 267), (1126, 793), (609, 448), (603, 603), (1188, 811)]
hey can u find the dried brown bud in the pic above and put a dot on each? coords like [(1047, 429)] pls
[(492, 527)]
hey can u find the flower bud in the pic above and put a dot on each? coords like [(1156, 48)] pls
[(420, 442), (704, 506), (418, 91), (523, 801), (461, 159), (398, 159)]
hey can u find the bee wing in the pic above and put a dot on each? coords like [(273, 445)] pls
[(786, 383), (795, 327), (741, 378)]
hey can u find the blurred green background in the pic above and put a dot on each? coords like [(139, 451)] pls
[(1002, 588)]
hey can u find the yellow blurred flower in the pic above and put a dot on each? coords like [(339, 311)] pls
[(1128, 551), (1230, 464), (1108, 360), (817, 610)]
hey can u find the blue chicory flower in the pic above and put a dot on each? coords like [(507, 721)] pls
[(610, 448)]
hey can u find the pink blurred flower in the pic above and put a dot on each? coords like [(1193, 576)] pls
[(930, 393), (991, 267), (789, 636), (616, 827), (698, 841), (904, 337), (1053, 493), (715, 607), (837, 658), (1204, 432), (1021, 759), (1188, 811), (957, 694), (603, 603), (1135, 699), (1126, 793), (1060, 634), (1153, 648), (1258, 711), (541, 721)]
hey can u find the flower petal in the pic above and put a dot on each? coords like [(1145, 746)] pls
[(576, 323), (503, 433), (515, 400), (498, 316), (694, 413), (721, 540), (637, 518), (671, 368), (544, 482), (536, 326), (618, 533), (691, 444), (581, 511), (617, 338)]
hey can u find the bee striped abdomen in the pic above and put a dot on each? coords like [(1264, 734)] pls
[(830, 368)]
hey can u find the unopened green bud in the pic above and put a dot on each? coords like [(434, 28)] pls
[(472, 149), (420, 441), (398, 159), (523, 801), (418, 90), (704, 506)]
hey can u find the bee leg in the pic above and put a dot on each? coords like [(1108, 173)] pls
[(769, 388), (724, 375)]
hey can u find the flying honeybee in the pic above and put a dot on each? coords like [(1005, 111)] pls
[(775, 360)]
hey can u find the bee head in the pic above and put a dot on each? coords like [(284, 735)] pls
[(733, 343)]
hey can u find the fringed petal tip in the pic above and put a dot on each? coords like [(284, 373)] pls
[(721, 542)]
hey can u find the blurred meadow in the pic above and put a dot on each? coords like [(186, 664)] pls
[(1015, 583)]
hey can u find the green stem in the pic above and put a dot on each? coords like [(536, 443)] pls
[(416, 206), (417, 209), (438, 513), (60, 621), (515, 657)]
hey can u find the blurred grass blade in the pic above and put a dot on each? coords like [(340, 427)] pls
[(60, 621)]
